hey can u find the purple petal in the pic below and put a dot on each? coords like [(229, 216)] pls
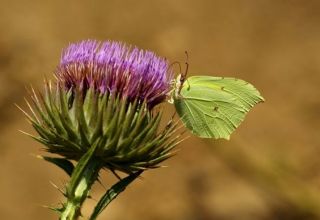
[(116, 68)]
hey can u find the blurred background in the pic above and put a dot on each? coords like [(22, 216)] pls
[(270, 169)]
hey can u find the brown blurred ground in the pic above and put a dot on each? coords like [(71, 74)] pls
[(270, 167)]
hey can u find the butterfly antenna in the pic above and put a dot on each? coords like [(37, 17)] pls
[(184, 75), (187, 63)]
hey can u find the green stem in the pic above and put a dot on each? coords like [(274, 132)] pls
[(79, 187)]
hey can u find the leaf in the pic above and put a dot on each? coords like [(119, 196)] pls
[(213, 107), (81, 168), (63, 163), (112, 193)]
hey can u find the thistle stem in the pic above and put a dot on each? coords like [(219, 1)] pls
[(82, 178)]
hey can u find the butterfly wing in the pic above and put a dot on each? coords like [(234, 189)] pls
[(213, 107)]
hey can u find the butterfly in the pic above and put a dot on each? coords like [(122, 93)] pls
[(213, 107)]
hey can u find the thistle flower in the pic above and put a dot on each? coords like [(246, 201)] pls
[(103, 98), (100, 113), (113, 67)]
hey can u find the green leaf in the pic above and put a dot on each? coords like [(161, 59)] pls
[(81, 167), (112, 193), (63, 163), (213, 107)]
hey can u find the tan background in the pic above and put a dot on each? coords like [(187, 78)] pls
[(270, 167)]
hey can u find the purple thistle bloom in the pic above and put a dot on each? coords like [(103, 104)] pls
[(115, 68)]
